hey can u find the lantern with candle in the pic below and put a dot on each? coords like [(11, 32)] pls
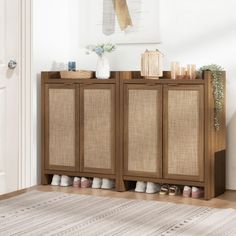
[(152, 64)]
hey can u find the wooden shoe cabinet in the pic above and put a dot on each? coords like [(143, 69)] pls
[(133, 129)]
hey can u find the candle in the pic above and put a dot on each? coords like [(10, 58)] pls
[(191, 71), (175, 69), (183, 71)]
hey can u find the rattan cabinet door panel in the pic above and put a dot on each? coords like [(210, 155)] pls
[(60, 134), (97, 104), (143, 130), (184, 132)]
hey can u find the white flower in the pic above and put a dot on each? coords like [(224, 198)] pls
[(100, 49)]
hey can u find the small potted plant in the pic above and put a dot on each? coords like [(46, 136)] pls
[(103, 67)]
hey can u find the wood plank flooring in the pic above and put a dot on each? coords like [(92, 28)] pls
[(227, 200)]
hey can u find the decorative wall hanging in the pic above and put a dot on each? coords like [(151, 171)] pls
[(124, 21)]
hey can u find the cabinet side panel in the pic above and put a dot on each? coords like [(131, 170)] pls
[(62, 127)]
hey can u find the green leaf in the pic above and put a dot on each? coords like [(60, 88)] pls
[(218, 91)]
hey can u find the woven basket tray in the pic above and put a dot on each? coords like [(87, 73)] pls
[(79, 74)]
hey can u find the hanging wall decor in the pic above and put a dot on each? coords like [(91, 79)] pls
[(123, 21)]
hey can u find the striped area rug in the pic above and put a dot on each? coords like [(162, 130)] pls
[(54, 213)]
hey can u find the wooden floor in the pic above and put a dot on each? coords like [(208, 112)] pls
[(227, 200)]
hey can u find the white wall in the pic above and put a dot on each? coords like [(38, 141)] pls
[(50, 29), (192, 31), (53, 29)]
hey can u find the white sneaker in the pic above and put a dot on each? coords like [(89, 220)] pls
[(97, 183), (152, 187), (108, 183), (65, 181), (56, 180), (140, 187)]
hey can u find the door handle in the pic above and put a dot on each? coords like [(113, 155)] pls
[(12, 64)]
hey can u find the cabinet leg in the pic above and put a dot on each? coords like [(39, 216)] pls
[(120, 186), (125, 186), (46, 179), (207, 193)]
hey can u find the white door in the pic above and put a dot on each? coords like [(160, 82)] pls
[(9, 94)]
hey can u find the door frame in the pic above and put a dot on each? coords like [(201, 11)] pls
[(27, 170)]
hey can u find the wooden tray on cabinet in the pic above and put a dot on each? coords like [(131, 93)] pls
[(79, 74)]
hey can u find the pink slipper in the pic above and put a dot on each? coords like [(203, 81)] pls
[(187, 191), (85, 182), (197, 192), (77, 182)]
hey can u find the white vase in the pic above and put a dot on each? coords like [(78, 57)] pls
[(103, 68)]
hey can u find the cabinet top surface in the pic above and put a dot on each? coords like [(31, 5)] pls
[(126, 77)]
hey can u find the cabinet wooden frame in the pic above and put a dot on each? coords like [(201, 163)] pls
[(52, 78), (47, 133), (212, 176), (200, 89), (126, 89), (111, 87), (214, 141)]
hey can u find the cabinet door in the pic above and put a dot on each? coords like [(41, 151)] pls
[(143, 130), (184, 132), (97, 137), (60, 124)]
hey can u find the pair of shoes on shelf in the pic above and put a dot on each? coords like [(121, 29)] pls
[(149, 187), (103, 183), (193, 192), (170, 190), (82, 182), (63, 180)]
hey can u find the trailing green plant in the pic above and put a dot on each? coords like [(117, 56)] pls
[(218, 91)]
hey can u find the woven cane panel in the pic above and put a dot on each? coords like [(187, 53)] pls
[(97, 128), (183, 132), (62, 127), (142, 130)]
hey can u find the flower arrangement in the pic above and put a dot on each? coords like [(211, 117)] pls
[(100, 49)]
